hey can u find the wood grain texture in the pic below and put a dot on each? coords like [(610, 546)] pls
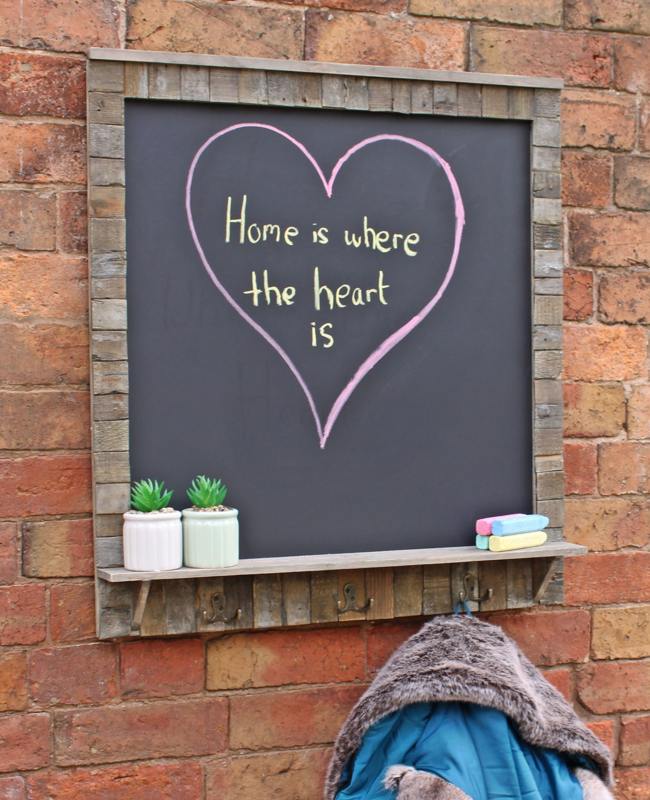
[(407, 591)]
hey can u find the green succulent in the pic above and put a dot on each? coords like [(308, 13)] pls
[(148, 495), (206, 492)]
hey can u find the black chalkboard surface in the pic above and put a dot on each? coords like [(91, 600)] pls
[(330, 310)]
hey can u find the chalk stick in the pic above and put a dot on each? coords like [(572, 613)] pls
[(482, 541), (484, 526), (517, 541), (525, 524)]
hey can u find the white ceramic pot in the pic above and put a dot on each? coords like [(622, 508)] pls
[(153, 542), (211, 538)]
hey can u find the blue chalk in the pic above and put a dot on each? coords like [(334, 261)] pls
[(482, 542), (531, 522)]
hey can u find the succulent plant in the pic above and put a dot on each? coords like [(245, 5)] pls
[(148, 495), (206, 492)]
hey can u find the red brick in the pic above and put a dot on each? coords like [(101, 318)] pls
[(278, 658), (638, 419), (607, 578), (215, 28), (285, 775), (12, 788), (596, 119), (384, 639), (33, 85), (635, 741), (169, 781), (56, 484), (22, 614), (58, 549), (44, 285), (608, 15), (71, 26), (77, 675), (593, 409), (136, 731), (42, 152), (549, 637), (289, 719), (44, 420), (625, 297), (28, 219), (624, 468), (633, 784), (160, 668), (8, 552), (374, 39), (605, 687), (13, 682), (621, 632), (376, 6), (644, 126), (578, 294), (72, 612), (580, 465), (632, 182), (72, 223), (24, 741), (604, 352), (524, 12), (44, 354), (610, 240), (586, 179), (581, 59), (632, 64), (605, 731), (562, 679), (608, 523)]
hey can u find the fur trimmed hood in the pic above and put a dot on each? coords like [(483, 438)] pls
[(463, 659)]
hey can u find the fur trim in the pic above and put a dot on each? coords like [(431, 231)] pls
[(463, 659), (592, 786), (412, 784)]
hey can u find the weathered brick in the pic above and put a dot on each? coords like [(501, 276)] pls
[(169, 781), (28, 219), (22, 614), (42, 152), (607, 578), (633, 784), (562, 679), (635, 741), (44, 354), (374, 39), (70, 26), (77, 675), (605, 687), (549, 637), (605, 730), (624, 468), (593, 409), (8, 552), (524, 12), (203, 27), (630, 16), (136, 731), (632, 64), (621, 632), (581, 59), (12, 788), (58, 549), (644, 126), (638, 419), (283, 775), (632, 182), (72, 612), (13, 682), (24, 741), (586, 179), (53, 484), (289, 719), (72, 222), (278, 658), (375, 6), (578, 294), (160, 668), (44, 420), (580, 467), (384, 639), (608, 523), (604, 352), (625, 297), (33, 85), (595, 119)]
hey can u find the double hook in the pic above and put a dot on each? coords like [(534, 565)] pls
[(469, 592)]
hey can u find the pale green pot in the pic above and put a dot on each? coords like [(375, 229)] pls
[(210, 538)]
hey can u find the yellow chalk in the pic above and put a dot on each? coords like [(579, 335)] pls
[(516, 541)]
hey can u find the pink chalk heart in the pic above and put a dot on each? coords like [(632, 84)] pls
[(324, 429)]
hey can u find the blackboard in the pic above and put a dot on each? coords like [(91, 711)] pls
[(426, 381)]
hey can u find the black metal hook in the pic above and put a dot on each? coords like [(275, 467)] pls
[(469, 592), (350, 594), (218, 603)]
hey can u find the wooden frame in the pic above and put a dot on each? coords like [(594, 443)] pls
[(265, 593)]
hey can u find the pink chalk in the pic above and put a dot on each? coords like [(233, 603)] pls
[(484, 526)]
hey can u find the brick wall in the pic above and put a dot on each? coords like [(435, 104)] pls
[(251, 716)]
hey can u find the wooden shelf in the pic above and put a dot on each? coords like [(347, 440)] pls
[(346, 561)]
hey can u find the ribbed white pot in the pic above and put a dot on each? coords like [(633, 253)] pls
[(211, 538), (153, 542)]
